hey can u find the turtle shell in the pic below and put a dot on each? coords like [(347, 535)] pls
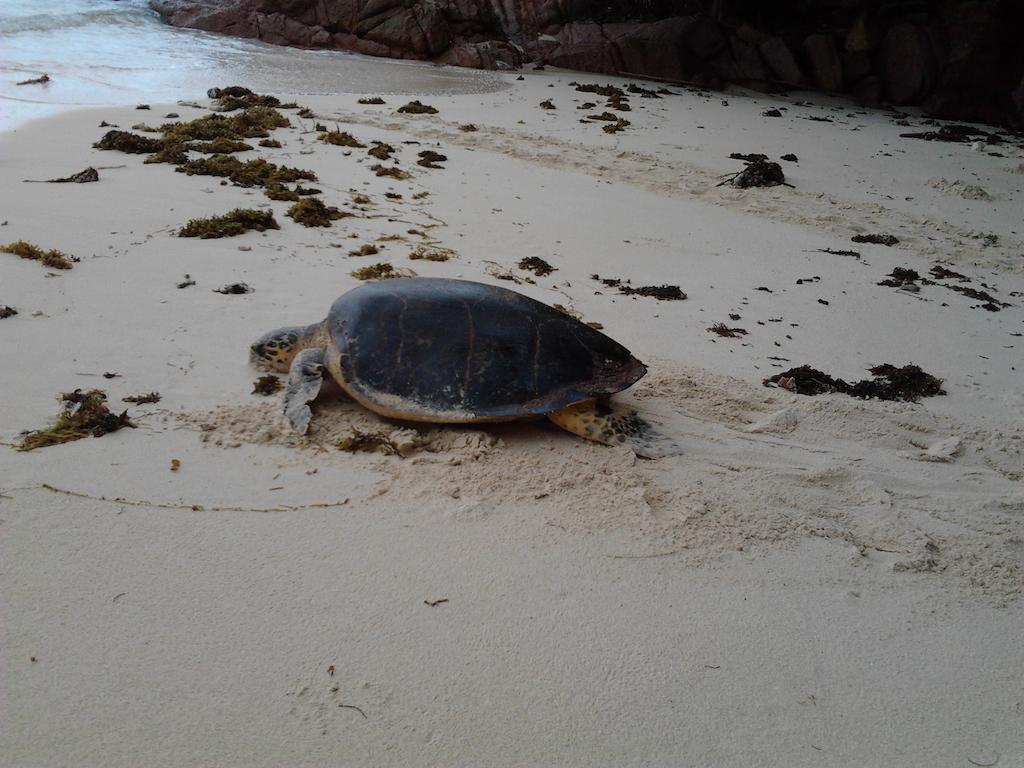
[(458, 351)]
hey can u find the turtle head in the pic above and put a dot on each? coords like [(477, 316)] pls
[(275, 351)]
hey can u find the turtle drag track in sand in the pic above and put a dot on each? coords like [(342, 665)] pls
[(760, 468)]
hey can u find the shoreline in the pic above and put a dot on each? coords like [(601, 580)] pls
[(808, 582)]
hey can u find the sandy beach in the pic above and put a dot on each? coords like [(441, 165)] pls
[(816, 580)]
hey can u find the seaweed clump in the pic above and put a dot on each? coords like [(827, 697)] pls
[(537, 265), (758, 173), (126, 141), (908, 383), (380, 271), (430, 253), (52, 258), (341, 139), (252, 173), (6, 311), (371, 100), (236, 222), (270, 143), (367, 249), (876, 239), (393, 171), (83, 414), (417, 108), (311, 212), (430, 159), (381, 150), (660, 292)]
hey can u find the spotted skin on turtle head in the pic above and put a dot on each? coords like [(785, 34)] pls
[(276, 350), (602, 422)]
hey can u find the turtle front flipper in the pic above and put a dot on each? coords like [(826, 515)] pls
[(603, 422), (304, 380)]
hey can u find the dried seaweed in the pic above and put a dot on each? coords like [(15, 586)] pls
[(341, 139), (236, 222), (379, 271), (430, 159), (390, 170), (889, 383), (83, 414), (430, 253), (381, 150), (876, 239), (660, 292), (537, 265), (730, 333), (311, 212), (52, 258)]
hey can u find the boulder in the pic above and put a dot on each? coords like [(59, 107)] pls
[(907, 64), (825, 66), (780, 62), (703, 38), (749, 65)]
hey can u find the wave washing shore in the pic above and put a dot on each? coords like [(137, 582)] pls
[(817, 580), (100, 52)]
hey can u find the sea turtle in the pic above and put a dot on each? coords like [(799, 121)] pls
[(455, 351)]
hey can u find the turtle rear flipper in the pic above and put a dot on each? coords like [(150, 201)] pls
[(603, 422), (304, 381)]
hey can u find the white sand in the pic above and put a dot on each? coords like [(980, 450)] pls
[(817, 581)]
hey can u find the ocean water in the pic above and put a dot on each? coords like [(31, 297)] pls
[(106, 52)]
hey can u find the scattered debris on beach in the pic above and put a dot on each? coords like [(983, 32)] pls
[(547, 104), (660, 292), (954, 133), (188, 282), (760, 172), (44, 78), (52, 258), (233, 289), (468, 128), (876, 239), (840, 252), (910, 280), (6, 311), (311, 212), (86, 176), (890, 383), (537, 265), (146, 399), (83, 414), (417, 108), (266, 385), (721, 329), (236, 222)]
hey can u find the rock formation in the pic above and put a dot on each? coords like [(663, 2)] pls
[(959, 59)]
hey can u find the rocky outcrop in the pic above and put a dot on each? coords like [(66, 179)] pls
[(958, 58)]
